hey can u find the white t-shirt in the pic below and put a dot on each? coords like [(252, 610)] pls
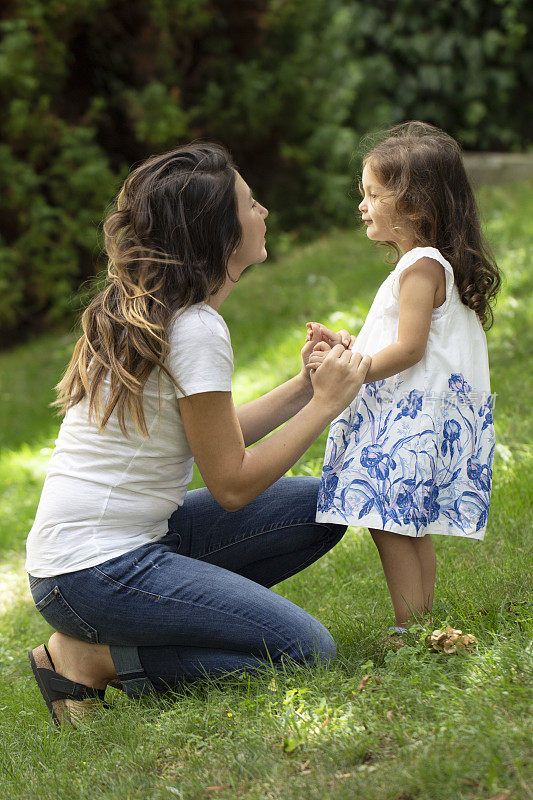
[(105, 494)]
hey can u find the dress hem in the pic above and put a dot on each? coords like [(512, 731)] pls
[(378, 524)]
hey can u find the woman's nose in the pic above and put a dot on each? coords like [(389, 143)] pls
[(361, 205)]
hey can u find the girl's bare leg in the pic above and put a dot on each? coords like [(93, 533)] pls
[(403, 573), (428, 564)]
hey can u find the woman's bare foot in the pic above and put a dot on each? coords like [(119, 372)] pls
[(90, 664), (81, 662)]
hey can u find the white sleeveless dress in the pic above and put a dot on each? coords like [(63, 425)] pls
[(413, 453)]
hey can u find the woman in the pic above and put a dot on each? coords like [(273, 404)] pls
[(136, 598)]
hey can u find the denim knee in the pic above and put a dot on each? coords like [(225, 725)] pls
[(317, 646), (333, 532), (327, 651)]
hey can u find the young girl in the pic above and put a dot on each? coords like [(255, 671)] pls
[(412, 455)]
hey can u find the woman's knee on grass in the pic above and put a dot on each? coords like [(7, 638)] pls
[(314, 645)]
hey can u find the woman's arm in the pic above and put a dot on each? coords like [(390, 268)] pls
[(261, 416), (235, 475)]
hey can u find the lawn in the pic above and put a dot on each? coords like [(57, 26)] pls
[(434, 726)]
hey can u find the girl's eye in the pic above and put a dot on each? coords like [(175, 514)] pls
[(254, 203)]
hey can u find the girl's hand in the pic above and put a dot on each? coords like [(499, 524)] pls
[(319, 333), (337, 380), (318, 355), (312, 340)]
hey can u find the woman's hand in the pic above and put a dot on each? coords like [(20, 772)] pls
[(319, 341), (339, 377)]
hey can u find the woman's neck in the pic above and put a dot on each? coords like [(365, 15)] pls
[(216, 300)]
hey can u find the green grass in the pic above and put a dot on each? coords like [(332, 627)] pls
[(438, 727)]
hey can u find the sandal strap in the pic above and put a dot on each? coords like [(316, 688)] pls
[(60, 688)]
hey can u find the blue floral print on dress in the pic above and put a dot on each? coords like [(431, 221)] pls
[(451, 433), (437, 470), (411, 405)]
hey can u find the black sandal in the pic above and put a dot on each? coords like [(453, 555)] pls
[(56, 689)]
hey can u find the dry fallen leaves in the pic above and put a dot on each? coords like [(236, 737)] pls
[(450, 640), (365, 680)]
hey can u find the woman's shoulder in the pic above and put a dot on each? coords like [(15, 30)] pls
[(198, 320)]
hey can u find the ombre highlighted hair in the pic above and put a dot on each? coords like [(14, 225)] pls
[(422, 170), (169, 239)]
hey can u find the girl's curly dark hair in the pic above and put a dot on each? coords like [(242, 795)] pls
[(422, 169)]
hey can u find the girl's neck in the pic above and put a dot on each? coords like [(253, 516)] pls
[(405, 245)]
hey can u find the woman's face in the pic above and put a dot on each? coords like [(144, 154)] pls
[(252, 217)]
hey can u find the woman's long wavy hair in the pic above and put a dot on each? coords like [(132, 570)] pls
[(169, 238), (422, 170)]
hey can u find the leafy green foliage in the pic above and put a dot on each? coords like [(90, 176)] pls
[(90, 87)]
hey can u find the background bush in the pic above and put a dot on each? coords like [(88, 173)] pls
[(90, 87)]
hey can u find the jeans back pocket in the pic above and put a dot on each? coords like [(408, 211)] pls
[(62, 617)]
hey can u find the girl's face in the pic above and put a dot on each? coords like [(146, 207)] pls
[(377, 212), (252, 217)]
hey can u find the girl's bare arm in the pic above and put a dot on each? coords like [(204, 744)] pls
[(421, 286)]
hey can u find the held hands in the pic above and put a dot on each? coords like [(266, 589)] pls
[(323, 340), (316, 332), (317, 356), (338, 377), (336, 372)]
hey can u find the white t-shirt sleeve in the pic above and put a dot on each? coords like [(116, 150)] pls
[(200, 358)]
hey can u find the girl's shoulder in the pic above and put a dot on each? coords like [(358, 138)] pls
[(414, 255)]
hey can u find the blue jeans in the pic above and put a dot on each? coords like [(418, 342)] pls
[(197, 601)]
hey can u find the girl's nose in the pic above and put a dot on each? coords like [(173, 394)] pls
[(264, 211)]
